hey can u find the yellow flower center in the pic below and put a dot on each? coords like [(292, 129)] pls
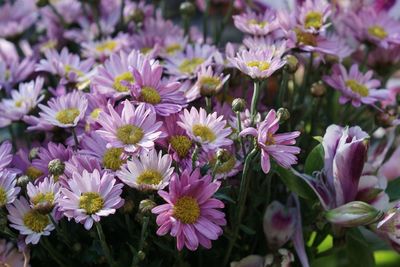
[(122, 81), (91, 202), (205, 133), (210, 83), (33, 173), (173, 48), (130, 134), (261, 65), (190, 65), (181, 144), (378, 32), (95, 113), (42, 198), (35, 221), (67, 116), (150, 95), (270, 139), (69, 68), (305, 38), (357, 88), (18, 103), (112, 158), (187, 210), (313, 20), (259, 23), (149, 177), (106, 46), (146, 50), (3, 197)]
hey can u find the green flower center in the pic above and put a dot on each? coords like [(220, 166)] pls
[(95, 113), (121, 81), (181, 144), (91, 202), (305, 38), (210, 83), (67, 116), (205, 133), (130, 134), (35, 221), (186, 209), (33, 173), (313, 20), (190, 65), (357, 88), (112, 158), (3, 197), (18, 103), (43, 198), (259, 23), (146, 50), (150, 95), (149, 177), (225, 167), (378, 32), (106, 46), (173, 48), (261, 65), (69, 68)]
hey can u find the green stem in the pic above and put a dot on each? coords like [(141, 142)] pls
[(225, 21), (205, 21), (52, 252), (128, 224), (143, 236), (104, 246), (75, 139), (60, 232), (216, 166), (12, 135), (239, 122), (254, 102), (208, 104), (244, 188), (306, 79), (364, 63), (194, 156), (283, 88)]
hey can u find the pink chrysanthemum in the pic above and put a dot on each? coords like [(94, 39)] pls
[(191, 214), (65, 111), (8, 189), (44, 195), (256, 24), (89, 197), (209, 82), (356, 86), (312, 15), (161, 97), (132, 130), (209, 130), (272, 144)]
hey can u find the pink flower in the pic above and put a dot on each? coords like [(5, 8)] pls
[(277, 146), (191, 214)]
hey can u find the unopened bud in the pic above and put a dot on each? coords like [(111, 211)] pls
[(283, 115), (187, 9), (238, 105), (353, 214), (318, 89), (137, 16), (56, 167), (223, 155), (292, 64), (141, 255), (146, 205), (33, 153), (42, 3), (23, 180)]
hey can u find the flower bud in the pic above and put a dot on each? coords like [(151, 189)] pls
[(283, 115), (42, 3), (353, 214), (141, 255), (44, 207), (292, 64), (56, 167), (223, 155), (238, 105), (146, 205), (33, 153), (187, 9), (318, 89), (279, 224), (137, 16), (23, 180)]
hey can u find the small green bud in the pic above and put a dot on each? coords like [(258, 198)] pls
[(318, 89), (187, 9), (56, 167), (146, 205), (283, 115), (33, 153), (223, 155), (141, 255), (292, 64), (238, 105), (137, 16)]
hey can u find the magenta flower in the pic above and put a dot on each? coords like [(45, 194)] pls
[(256, 24), (312, 15), (5, 154), (272, 144), (90, 196), (161, 97), (44, 195), (389, 227), (8, 189), (355, 86), (133, 129), (191, 214), (16, 17), (10, 256)]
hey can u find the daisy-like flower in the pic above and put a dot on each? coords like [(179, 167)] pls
[(259, 63), (376, 27), (191, 213), (8, 189), (256, 24), (186, 64), (90, 196), (208, 82), (10, 256), (312, 15), (272, 144), (355, 86), (134, 129), (44, 195), (64, 64), (150, 171), (209, 130), (115, 76), (29, 222), (23, 100), (101, 50), (65, 111), (5, 154), (161, 97), (16, 17)]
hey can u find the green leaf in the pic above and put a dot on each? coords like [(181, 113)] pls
[(315, 160), (223, 196), (294, 183), (393, 189), (247, 230), (358, 251)]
